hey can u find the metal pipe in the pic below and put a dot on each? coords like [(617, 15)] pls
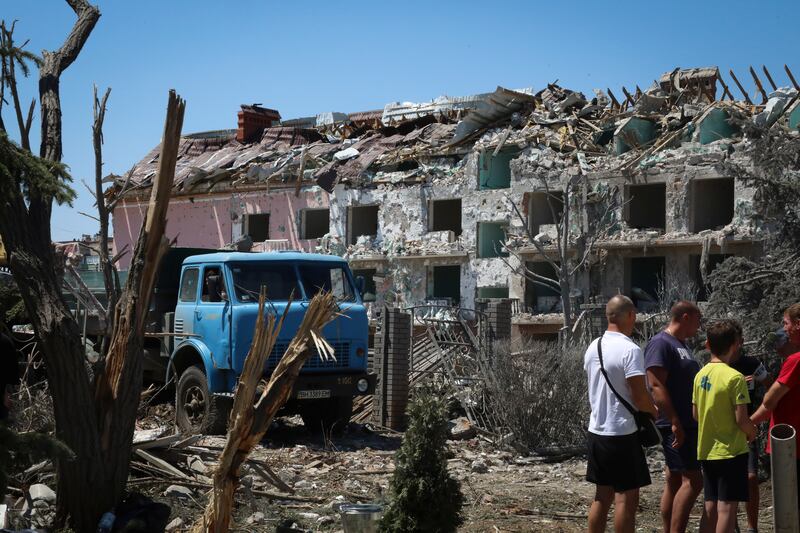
[(783, 445)]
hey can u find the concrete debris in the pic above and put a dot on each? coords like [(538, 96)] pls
[(462, 429), (175, 525), (445, 173), (40, 492), (347, 153), (479, 466), (255, 518), (179, 491)]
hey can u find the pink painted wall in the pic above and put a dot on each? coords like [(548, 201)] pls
[(212, 221)]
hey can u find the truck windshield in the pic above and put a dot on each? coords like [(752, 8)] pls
[(326, 277), (279, 278)]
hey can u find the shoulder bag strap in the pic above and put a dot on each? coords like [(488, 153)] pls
[(605, 375)]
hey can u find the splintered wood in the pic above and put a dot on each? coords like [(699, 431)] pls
[(249, 420)]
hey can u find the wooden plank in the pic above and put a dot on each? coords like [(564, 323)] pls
[(739, 85), (726, 91), (791, 77), (769, 78), (161, 464), (759, 86)]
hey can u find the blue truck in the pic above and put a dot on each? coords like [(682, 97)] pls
[(201, 323)]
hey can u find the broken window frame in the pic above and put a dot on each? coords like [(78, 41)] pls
[(486, 161), (555, 208), (497, 248), (630, 198), (432, 217), (693, 203), (431, 291), (352, 238), (246, 230), (304, 222)]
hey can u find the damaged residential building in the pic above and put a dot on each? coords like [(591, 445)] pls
[(439, 201)]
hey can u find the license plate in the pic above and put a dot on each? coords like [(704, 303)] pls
[(313, 394)]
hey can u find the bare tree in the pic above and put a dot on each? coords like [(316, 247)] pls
[(570, 250)]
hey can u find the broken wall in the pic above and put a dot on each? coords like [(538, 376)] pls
[(215, 220)]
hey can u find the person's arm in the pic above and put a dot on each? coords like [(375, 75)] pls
[(694, 411), (641, 398), (771, 399), (744, 422), (657, 377)]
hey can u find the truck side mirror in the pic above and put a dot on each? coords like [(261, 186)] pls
[(360, 283)]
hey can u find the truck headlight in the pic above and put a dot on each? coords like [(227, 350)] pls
[(362, 385)]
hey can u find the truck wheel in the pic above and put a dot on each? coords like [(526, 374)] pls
[(329, 416), (196, 409)]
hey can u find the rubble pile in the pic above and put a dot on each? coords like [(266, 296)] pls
[(561, 129)]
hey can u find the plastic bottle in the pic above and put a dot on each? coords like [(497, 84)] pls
[(106, 523)]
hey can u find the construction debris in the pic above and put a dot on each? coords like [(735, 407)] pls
[(442, 176)]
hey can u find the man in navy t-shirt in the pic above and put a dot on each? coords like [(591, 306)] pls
[(671, 368)]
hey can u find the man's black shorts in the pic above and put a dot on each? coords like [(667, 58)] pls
[(683, 458), (616, 461), (725, 480)]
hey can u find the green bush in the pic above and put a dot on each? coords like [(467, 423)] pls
[(423, 496)]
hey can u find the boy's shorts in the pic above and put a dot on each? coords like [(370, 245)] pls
[(683, 458), (616, 461), (725, 479)]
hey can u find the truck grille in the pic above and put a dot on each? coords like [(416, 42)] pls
[(340, 349)]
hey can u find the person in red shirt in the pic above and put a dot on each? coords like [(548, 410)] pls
[(781, 401)]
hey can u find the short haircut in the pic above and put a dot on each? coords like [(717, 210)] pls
[(617, 307), (738, 327), (793, 312), (721, 336), (683, 307)]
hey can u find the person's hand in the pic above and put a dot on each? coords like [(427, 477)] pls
[(751, 434), (748, 379), (677, 432)]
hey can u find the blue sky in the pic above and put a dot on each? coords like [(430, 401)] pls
[(303, 58)]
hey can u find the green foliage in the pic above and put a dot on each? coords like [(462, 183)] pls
[(12, 308), (18, 450), (9, 52), (23, 172), (423, 495)]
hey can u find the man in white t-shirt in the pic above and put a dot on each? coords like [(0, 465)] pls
[(617, 462)]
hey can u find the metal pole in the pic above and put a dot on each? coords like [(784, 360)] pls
[(783, 446)]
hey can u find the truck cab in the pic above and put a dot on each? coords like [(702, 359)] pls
[(212, 330)]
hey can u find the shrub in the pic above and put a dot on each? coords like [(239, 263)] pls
[(423, 496), (541, 393)]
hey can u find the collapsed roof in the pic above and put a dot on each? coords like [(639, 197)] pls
[(597, 133)]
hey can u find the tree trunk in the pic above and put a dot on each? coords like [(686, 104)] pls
[(80, 493), (118, 389)]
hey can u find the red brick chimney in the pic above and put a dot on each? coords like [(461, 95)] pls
[(253, 119)]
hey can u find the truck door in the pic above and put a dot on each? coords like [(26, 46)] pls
[(187, 300), (212, 315)]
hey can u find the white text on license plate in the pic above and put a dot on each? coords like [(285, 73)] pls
[(313, 394)]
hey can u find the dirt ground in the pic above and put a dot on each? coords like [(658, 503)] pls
[(504, 492)]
